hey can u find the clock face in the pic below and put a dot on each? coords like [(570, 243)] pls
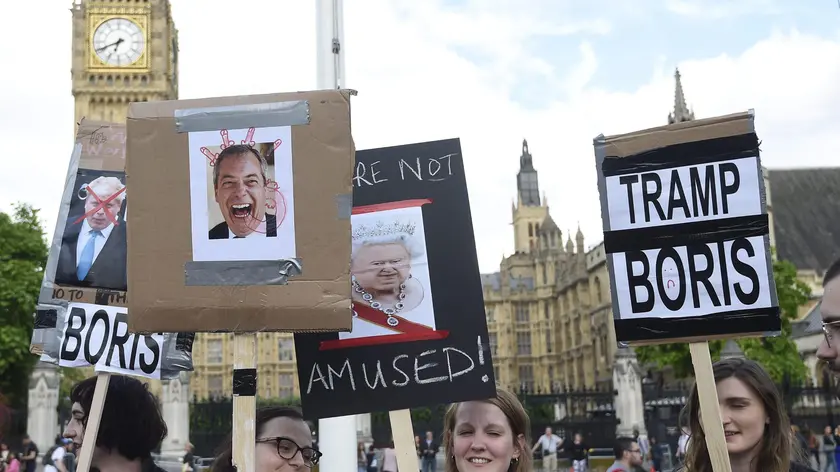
[(119, 42)]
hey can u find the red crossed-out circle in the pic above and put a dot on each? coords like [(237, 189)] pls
[(101, 204)]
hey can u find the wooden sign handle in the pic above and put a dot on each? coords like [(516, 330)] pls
[(94, 417), (709, 408), (244, 401), (403, 433)]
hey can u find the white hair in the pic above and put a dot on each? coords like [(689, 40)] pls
[(414, 249), (107, 186)]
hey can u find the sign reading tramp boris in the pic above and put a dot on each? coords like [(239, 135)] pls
[(419, 332), (240, 214), (686, 231)]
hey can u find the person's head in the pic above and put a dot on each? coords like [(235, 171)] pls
[(491, 435), (827, 430), (26, 440), (68, 444), (382, 254), (101, 189), (429, 435), (829, 349), (578, 438), (627, 451), (131, 425), (755, 423), (284, 443), (239, 181), (548, 431)]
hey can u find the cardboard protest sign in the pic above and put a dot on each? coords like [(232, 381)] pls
[(419, 332), (686, 231), (87, 258), (241, 219), (81, 316), (83, 334)]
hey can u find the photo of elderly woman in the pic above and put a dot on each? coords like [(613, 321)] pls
[(390, 275)]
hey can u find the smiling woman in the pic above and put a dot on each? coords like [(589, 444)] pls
[(755, 423)]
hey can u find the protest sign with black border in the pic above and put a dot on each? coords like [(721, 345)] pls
[(419, 332), (686, 231)]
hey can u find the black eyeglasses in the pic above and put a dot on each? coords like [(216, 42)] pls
[(829, 329), (287, 449)]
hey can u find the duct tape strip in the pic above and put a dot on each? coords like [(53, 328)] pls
[(259, 115), (344, 205), (244, 382), (213, 273), (45, 318), (184, 342)]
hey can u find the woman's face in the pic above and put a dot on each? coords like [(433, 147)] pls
[(743, 415), (482, 439), (381, 267), (267, 457)]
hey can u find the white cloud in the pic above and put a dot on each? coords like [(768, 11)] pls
[(716, 9), (414, 86)]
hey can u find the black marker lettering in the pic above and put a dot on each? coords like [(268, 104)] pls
[(746, 270), (628, 181), (651, 197), (100, 315), (704, 199), (74, 333), (677, 201), (702, 276), (728, 189), (118, 340), (639, 280), (665, 254), (149, 367)]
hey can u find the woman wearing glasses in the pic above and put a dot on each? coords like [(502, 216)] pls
[(284, 443), (755, 424)]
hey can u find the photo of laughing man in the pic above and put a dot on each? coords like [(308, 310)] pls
[(131, 426), (239, 183), (829, 349)]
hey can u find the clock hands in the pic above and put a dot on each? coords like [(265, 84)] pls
[(115, 44)]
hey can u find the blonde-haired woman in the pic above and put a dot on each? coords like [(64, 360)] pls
[(488, 435)]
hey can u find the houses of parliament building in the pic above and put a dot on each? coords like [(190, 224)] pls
[(548, 307)]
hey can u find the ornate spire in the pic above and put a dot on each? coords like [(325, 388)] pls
[(526, 180), (681, 111)]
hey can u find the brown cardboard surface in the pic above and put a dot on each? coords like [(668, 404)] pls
[(102, 149), (160, 241), (689, 131)]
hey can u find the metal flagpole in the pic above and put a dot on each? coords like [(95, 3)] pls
[(336, 436)]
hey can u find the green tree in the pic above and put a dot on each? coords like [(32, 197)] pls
[(778, 355), (23, 255)]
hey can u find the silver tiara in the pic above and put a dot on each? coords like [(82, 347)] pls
[(381, 229)]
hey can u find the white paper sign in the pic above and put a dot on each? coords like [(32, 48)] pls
[(677, 277), (98, 335)]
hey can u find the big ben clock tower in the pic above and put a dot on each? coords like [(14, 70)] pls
[(123, 51)]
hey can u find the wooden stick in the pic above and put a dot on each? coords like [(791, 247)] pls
[(709, 407), (403, 434), (244, 401), (94, 417)]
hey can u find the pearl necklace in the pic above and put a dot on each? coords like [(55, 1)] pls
[(392, 321)]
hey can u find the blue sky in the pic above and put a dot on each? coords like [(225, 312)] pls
[(557, 72)]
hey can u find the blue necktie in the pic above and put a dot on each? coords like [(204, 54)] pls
[(86, 261)]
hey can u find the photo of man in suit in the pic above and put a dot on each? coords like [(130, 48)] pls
[(93, 250), (239, 184)]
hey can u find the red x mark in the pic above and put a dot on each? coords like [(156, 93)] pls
[(101, 205)]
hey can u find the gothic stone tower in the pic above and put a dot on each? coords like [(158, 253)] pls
[(123, 51), (529, 210)]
